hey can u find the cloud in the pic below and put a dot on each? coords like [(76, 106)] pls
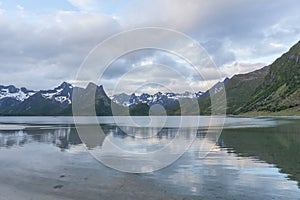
[(40, 50), (235, 25), (144, 67), (163, 77), (219, 51), (51, 52), (86, 5), (239, 68)]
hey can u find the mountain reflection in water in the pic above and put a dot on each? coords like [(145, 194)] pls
[(277, 145)]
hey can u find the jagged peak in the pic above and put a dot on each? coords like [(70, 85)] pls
[(66, 85), (11, 88), (14, 89), (226, 80)]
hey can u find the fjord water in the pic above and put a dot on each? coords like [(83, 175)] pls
[(254, 158)]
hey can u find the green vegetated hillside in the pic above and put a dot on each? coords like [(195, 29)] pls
[(140, 110), (240, 88), (272, 89), (281, 87)]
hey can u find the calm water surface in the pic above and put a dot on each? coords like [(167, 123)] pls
[(253, 159)]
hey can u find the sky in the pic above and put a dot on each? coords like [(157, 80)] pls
[(44, 42)]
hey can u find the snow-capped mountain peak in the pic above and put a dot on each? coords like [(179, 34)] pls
[(19, 94), (62, 93), (157, 98)]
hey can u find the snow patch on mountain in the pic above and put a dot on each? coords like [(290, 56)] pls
[(63, 99), (157, 98), (15, 93), (61, 94)]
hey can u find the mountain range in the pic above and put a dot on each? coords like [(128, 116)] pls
[(158, 98), (58, 101), (273, 88)]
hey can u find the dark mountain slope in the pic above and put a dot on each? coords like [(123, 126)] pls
[(240, 88), (271, 89), (281, 87)]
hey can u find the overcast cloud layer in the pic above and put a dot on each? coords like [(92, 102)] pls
[(44, 44)]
